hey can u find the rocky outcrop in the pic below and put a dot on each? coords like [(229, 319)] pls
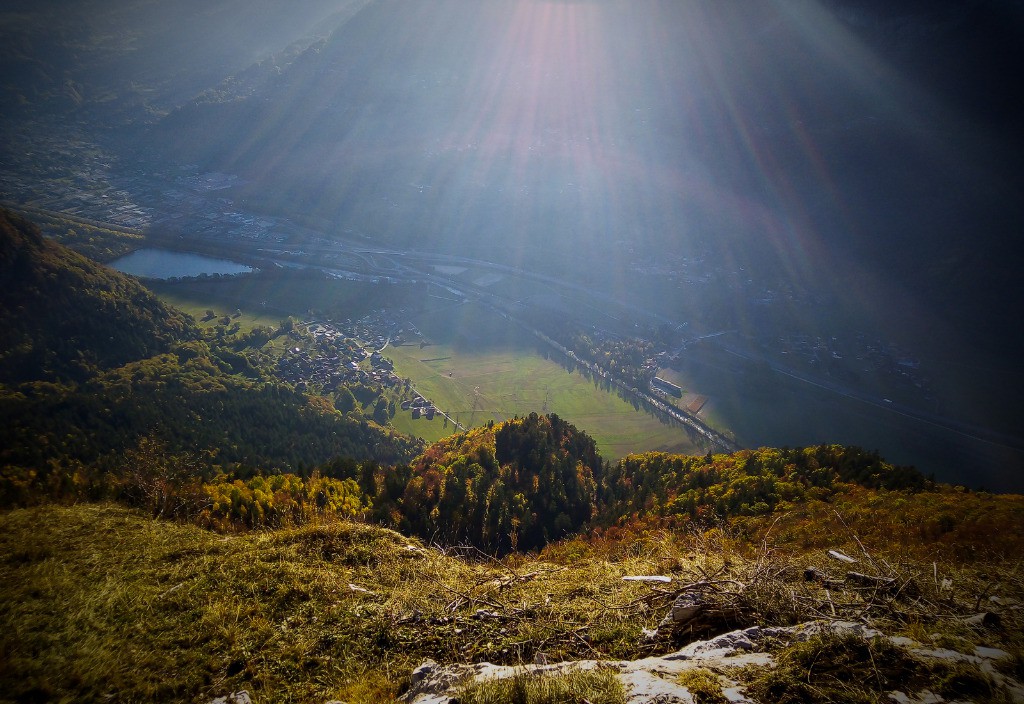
[(656, 680)]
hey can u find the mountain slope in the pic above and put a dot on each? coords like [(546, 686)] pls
[(92, 365), (131, 60), (65, 317)]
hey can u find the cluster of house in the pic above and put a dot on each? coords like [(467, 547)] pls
[(58, 169), (332, 365), (336, 361), (870, 355), (420, 406), (381, 328), (303, 368)]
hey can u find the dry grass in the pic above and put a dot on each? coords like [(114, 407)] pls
[(99, 602), (843, 667), (703, 685), (576, 687), (102, 602)]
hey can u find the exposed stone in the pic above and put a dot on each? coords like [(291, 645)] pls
[(654, 680), (646, 681), (646, 688), (991, 653), (986, 619), (813, 574), (423, 671), (684, 609), (241, 697)]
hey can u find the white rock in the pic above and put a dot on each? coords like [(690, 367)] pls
[(646, 688), (241, 697), (685, 608), (904, 642), (653, 680), (423, 671), (836, 555)]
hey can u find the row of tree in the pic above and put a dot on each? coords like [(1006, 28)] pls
[(518, 485)]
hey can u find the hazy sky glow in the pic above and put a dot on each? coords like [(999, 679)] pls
[(828, 168)]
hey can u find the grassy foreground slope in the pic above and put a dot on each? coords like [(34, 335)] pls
[(101, 603)]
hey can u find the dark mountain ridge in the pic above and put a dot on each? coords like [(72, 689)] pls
[(92, 366), (126, 60), (64, 316)]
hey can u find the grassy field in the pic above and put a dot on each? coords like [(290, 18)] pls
[(247, 319), (479, 386), (278, 294), (430, 430), (480, 367)]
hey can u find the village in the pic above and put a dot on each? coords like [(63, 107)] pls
[(325, 356)]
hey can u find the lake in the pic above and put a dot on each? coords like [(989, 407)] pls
[(165, 264)]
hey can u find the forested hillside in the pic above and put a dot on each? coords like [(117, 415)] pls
[(64, 318), (108, 393), (749, 482), (516, 485), (92, 365)]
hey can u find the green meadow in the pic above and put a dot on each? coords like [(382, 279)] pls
[(480, 367), (246, 318), (477, 387), (273, 295)]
